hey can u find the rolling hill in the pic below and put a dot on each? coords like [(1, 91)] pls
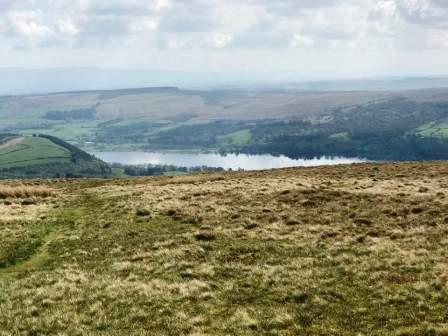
[(45, 156), (378, 125), (342, 250)]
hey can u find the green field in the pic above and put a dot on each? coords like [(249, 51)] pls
[(239, 138), (46, 156), (32, 151), (434, 129)]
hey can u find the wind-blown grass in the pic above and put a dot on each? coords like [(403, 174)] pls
[(344, 250), (25, 191)]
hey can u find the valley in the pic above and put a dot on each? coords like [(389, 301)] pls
[(376, 125)]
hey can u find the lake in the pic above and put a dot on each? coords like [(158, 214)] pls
[(228, 161)]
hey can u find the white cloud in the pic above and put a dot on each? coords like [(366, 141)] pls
[(438, 39), (28, 28), (216, 27), (301, 41), (67, 27), (220, 40), (162, 4)]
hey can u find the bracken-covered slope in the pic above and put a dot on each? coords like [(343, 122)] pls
[(45, 156), (344, 250)]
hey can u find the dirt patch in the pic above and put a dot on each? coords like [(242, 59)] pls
[(11, 143)]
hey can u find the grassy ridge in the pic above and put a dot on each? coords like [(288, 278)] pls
[(344, 250), (33, 151), (46, 156)]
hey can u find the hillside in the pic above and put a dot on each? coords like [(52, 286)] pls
[(45, 156), (342, 250), (377, 125)]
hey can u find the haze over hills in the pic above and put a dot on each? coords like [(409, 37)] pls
[(47, 80)]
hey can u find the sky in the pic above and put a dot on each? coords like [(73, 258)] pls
[(267, 38)]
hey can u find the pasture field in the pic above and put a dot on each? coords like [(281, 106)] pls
[(343, 250), (236, 139), (46, 156), (434, 129), (32, 151)]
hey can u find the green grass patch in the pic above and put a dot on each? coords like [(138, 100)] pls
[(32, 151), (434, 130), (239, 138)]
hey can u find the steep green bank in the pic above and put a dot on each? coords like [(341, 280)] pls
[(46, 156)]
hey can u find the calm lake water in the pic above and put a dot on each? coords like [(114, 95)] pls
[(229, 161)]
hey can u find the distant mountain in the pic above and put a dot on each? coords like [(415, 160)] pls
[(29, 81), (33, 81), (46, 156), (374, 84)]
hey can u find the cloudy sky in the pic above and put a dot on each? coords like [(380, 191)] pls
[(302, 38)]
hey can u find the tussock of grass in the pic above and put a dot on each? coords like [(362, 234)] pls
[(25, 191), (318, 251)]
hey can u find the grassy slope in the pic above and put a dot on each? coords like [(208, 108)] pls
[(32, 151), (26, 157), (324, 251)]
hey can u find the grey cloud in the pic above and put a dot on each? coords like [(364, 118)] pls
[(119, 9), (330, 33), (433, 13), (292, 7), (189, 23), (185, 23), (264, 39), (6, 4), (105, 26)]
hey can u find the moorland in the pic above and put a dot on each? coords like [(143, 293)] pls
[(343, 250)]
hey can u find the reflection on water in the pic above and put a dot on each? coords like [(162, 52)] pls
[(229, 161)]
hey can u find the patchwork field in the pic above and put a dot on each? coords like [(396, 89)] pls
[(343, 250)]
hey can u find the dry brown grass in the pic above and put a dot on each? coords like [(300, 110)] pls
[(318, 251), (24, 191)]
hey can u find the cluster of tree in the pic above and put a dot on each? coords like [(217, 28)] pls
[(112, 132), (59, 170), (398, 114), (78, 114), (385, 146), (76, 154), (381, 130), (157, 170), (5, 137), (195, 136), (377, 131)]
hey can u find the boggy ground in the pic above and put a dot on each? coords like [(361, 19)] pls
[(345, 250)]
